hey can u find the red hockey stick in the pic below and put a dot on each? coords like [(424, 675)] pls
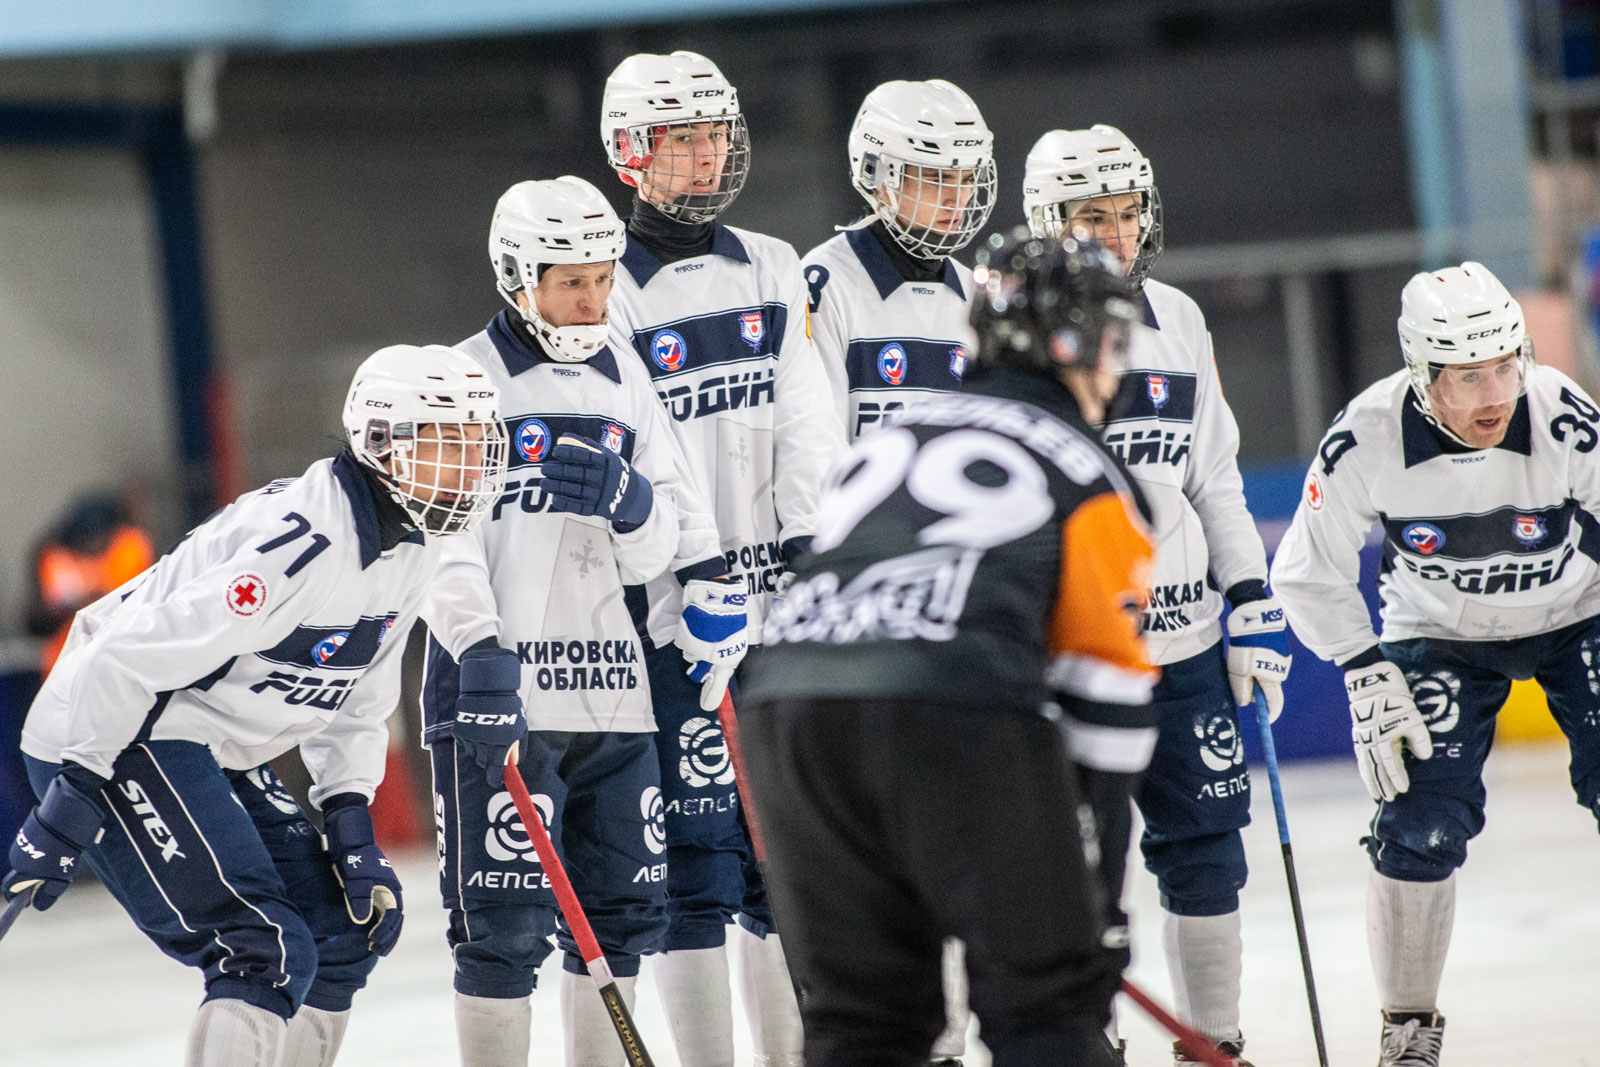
[(1190, 1043), (588, 947), (730, 735)]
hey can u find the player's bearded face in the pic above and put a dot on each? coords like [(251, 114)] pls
[(1475, 401), (686, 160), (573, 294), (1113, 221), (933, 199)]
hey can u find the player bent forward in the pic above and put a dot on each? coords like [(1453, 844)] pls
[(280, 621), (906, 781), (1479, 465)]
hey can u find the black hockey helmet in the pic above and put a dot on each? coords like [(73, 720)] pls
[(1044, 304)]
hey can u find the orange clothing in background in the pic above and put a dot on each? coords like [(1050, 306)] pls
[(69, 580)]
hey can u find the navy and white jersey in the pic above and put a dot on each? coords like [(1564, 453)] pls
[(549, 585), (725, 337), (885, 342), (277, 622), (1176, 435), (1482, 544)]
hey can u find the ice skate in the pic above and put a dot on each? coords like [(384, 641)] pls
[(1411, 1039), (1234, 1049)]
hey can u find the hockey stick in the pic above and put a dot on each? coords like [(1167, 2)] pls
[(1268, 749), (1192, 1044), (588, 947), (13, 909), (730, 736)]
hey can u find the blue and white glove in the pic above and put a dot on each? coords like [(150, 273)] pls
[(585, 479), (713, 635), (489, 718), (44, 854), (371, 888), (1258, 653)]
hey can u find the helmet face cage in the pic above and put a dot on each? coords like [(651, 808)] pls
[(931, 212), (667, 163), (1109, 227), (447, 475)]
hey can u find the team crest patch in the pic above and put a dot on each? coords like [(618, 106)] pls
[(752, 329), (669, 351), (892, 363), (325, 649), (388, 624), (1423, 538), (247, 595), (533, 440), (1314, 494), (1156, 386), (958, 361), (1529, 529), (613, 437)]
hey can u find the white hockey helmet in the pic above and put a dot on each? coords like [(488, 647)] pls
[(1068, 168), (537, 224), (921, 131), (427, 419), (650, 98), (1462, 315)]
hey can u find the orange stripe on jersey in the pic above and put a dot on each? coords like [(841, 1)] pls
[(1105, 576)]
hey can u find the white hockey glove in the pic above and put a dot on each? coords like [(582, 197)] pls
[(1382, 716), (712, 635), (1258, 654)]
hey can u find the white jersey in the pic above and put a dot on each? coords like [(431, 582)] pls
[(885, 342), (1483, 544), (279, 621), (726, 339), (548, 585), (1177, 437)]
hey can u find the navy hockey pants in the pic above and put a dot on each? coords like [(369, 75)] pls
[(1460, 687), (600, 796), (1195, 796), (223, 871)]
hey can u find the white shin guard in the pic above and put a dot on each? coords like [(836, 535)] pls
[(1205, 957), (231, 1033), (1408, 934), (492, 1032), (699, 1003), (952, 1044), (589, 1037), (314, 1037), (769, 1002)]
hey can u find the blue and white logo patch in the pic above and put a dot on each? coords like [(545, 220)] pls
[(328, 646), (892, 363), (958, 361), (613, 437), (1158, 388), (1423, 538), (1529, 529), (533, 440), (752, 329), (668, 350)]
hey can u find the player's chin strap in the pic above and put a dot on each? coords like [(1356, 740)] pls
[(1438, 424), (565, 344)]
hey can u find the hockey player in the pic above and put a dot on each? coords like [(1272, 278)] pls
[(909, 664), (717, 316), (1479, 466), (530, 607), (1173, 429), (889, 304), (280, 621)]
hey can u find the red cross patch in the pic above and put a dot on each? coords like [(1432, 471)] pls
[(247, 594)]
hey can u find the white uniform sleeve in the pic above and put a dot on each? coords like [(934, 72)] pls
[(662, 539), (1214, 487), (243, 603), (350, 754), (459, 606), (830, 335), (809, 430), (1317, 570)]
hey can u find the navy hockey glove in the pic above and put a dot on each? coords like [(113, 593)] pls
[(489, 718), (44, 854), (1258, 653), (585, 479), (371, 888), (712, 635)]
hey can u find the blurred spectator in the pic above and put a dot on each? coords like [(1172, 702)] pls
[(94, 549)]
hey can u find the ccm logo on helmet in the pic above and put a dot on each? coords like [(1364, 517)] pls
[(596, 235), (479, 394), (1116, 166), (379, 404), (1484, 333), (509, 243), (966, 143), (869, 137), (700, 93)]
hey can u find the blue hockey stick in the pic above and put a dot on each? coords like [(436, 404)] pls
[(13, 909), (1264, 721)]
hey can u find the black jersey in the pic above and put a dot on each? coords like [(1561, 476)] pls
[(986, 551)]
